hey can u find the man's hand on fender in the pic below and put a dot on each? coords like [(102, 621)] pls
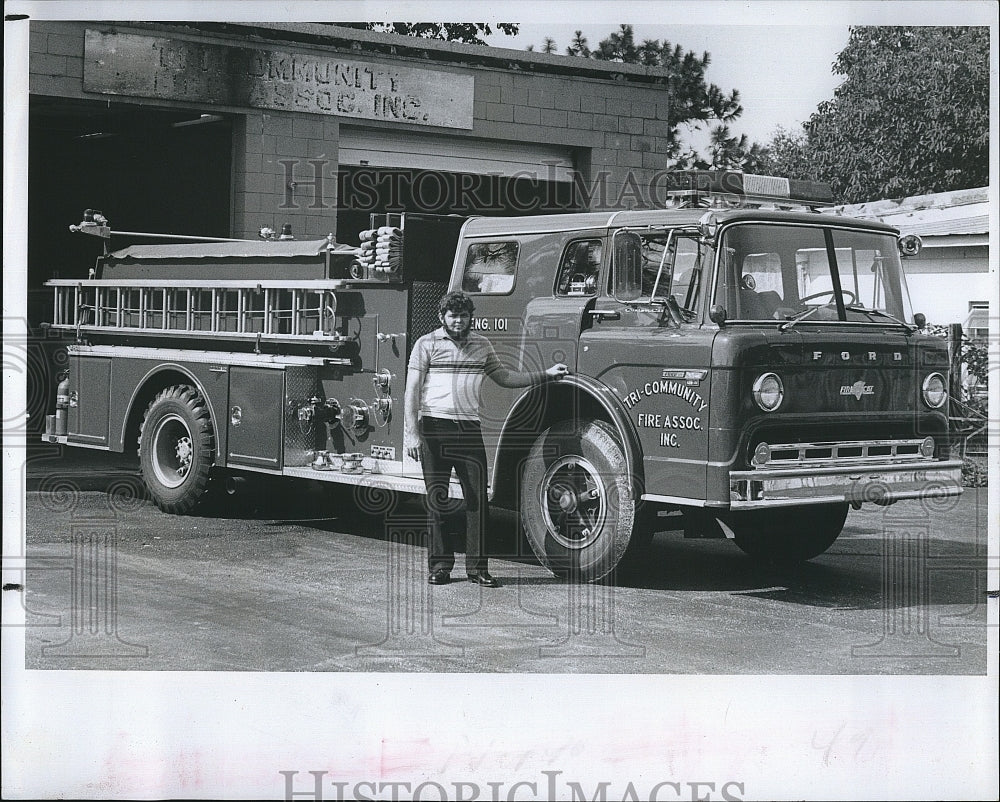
[(557, 371)]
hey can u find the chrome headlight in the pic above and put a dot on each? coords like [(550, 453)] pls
[(935, 391), (768, 391)]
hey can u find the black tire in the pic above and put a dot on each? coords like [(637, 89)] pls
[(635, 561), (789, 535), (176, 447), (577, 506)]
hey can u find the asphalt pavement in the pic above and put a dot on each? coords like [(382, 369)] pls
[(294, 576)]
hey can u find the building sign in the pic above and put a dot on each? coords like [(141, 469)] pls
[(174, 69)]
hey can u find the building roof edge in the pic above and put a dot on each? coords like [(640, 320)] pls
[(434, 49)]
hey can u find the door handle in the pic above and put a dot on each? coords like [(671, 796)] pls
[(605, 314)]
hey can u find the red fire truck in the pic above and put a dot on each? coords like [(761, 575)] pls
[(744, 365)]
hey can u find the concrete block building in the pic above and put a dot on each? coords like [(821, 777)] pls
[(219, 129)]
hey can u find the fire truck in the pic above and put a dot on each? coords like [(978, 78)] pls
[(744, 364)]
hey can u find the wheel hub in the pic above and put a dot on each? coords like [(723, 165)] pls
[(172, 451), (573, 502), (567, 501), (183, 455)]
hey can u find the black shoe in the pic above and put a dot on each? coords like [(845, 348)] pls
[(439, 577), (483, 578)]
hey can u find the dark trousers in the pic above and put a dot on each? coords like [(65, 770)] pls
[(447, 444)]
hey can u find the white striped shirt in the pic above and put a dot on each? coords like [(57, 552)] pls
[(453, 373)]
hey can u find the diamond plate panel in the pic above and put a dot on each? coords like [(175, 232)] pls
[(301, 437), (424, 299)]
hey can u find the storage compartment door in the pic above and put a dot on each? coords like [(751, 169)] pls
[(256, 397), (88, 422)]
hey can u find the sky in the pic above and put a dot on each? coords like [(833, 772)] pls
[(782, 73)]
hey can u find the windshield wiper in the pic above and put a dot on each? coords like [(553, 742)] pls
[(852, 308), (800, 316), (879, 313)]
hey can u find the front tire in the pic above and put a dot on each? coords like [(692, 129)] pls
[(577, 505), (176, 447), (789, 535)]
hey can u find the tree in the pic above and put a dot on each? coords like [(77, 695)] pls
[(578, 47), (785, 155), (733, 152), (910, 118), (471, 33), (692, 101), (618, 46), (726, 151)]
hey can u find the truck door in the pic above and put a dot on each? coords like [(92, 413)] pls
[(256, 397), (648, 347), (89, 413), (534, 316)]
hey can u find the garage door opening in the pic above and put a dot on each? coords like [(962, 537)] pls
[(404, 171), (146, 169), (364, 190)]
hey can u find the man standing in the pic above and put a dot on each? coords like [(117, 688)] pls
[(445, 373)]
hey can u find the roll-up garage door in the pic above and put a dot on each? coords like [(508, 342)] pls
[(378, 148)]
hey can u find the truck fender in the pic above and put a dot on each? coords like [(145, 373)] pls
[(190, 377), (607, 401)]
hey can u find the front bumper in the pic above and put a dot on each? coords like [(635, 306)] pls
[(856, 484)]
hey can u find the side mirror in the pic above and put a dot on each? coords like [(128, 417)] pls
[(708, 227), (626, 266), (717, 314)]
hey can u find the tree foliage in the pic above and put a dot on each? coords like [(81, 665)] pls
[(728, 152), (785, 155), (692, 101), (911, 116), (470, 33)]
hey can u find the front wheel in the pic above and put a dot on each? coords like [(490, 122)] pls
[(175, 449), (577, 505), (789, 535)]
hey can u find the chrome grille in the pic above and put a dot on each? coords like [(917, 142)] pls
[(847, 452)]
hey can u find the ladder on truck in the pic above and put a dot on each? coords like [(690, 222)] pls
[(239, 309)]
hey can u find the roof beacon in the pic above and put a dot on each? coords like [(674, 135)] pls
[(730, 189)]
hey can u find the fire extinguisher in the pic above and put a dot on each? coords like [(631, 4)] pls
[(62, 403)]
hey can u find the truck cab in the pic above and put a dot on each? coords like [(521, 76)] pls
[(754, 366)]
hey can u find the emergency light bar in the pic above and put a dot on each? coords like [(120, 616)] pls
[(731, 188)]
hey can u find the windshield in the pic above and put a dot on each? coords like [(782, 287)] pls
[(784, 272)]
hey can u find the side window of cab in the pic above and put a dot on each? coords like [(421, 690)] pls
[(490, 267), (580, 268)]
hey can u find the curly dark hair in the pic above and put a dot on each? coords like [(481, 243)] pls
[(456, 302)]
